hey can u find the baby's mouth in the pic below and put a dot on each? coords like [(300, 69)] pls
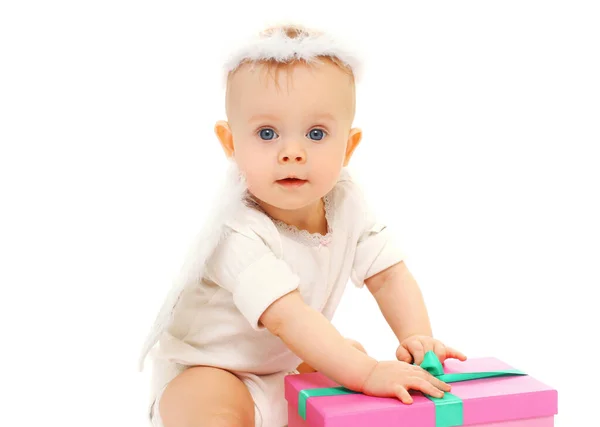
[(291, 182)]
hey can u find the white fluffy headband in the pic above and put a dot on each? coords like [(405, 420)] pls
[(307, 45)]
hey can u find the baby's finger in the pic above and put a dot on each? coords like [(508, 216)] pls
[(422, 373), (403, 355), (439, 384), (420, 384), (440, 351), (403, 395), (454, 354), (428, 344), (416, 349)]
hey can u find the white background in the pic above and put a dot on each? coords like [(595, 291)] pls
[(481, 134)]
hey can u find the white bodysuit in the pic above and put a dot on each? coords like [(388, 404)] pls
[(216, 322)]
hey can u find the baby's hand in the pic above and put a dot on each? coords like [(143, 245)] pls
[(413, 349), (395, 378)]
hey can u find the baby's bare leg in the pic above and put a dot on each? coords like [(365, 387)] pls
[(205, 396)]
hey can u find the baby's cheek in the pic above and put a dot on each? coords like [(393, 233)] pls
[(328, 167), (257, 178)]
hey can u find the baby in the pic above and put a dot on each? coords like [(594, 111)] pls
[(292, 230)]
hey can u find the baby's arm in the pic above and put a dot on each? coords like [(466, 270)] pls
[(256, 277), (313, 338), (402, 305), (316, 341), (401, 301)]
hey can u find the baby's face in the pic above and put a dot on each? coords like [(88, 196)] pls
[(290, 140)]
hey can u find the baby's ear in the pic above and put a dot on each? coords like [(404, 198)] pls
[(353, 140), (223, 132)]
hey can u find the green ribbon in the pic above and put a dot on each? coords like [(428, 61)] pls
[(448, 409), (317, 392)]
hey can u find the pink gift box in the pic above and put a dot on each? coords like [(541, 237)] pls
[(511, 401)]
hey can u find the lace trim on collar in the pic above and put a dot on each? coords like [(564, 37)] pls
[(304, 236)]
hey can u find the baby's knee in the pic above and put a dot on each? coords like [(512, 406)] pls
[(179, 416), (228, 420), (204, 396), (212, 420)]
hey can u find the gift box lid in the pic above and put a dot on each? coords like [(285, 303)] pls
[(486, 400)]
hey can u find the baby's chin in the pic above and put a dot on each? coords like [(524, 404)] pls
[(287, 201)]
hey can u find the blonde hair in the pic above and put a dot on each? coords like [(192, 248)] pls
[(272, 61)]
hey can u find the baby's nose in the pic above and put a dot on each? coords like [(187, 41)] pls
[(292, 154)]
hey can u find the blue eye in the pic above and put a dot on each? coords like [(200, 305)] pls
[(316, 134), (267, 134)]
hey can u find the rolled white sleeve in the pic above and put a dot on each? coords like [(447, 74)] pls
[(246, 267), (376, 251)]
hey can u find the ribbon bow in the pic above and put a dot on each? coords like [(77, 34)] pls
[(448, 409)]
